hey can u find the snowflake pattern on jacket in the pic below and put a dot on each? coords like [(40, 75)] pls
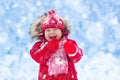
[(58, 65)]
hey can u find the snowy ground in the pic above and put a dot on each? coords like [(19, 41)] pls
[(95, 27)]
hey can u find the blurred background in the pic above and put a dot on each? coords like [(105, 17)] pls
[(95, 28)]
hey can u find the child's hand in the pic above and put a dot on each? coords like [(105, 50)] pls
[(53, 44), (70, 47)]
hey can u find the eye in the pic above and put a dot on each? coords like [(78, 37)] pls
[(55, 29), (47, 30)]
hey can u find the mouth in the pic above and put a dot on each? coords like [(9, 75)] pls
[(52, 36)]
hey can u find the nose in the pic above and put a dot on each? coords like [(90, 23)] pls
[(52, 31)]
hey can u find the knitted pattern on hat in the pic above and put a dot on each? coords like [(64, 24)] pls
[(52, 21)]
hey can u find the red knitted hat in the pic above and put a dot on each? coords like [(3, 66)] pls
[(52, 21)]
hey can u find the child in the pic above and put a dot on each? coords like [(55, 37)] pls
[(55, 53)]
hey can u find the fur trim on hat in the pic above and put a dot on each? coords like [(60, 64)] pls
[(35, 30)]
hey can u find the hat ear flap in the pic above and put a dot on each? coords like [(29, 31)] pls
[(41, 36), (65, 33)]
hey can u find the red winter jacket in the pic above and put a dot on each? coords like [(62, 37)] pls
[(42, 54)]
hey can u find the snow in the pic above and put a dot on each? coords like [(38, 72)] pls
[(95, 27)]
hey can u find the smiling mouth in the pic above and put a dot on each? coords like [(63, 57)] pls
[(51, 37)]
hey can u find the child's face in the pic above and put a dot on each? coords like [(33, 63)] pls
[(51, 33)]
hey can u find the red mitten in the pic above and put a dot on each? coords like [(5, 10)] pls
[(53, 44), (70, 47)]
